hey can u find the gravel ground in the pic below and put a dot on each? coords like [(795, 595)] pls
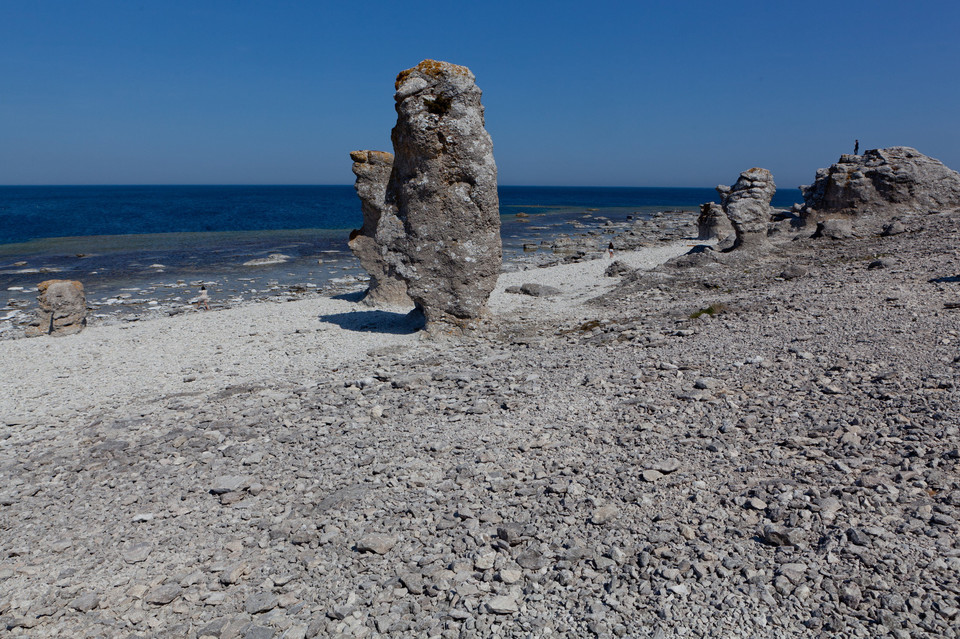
[(752, 447)]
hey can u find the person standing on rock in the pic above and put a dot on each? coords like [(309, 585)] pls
[(610, 250), (204, 298), (856, 147)]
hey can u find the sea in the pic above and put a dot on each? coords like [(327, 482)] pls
[(133, 245)]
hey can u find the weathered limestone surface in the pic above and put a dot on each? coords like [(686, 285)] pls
[(372, 169), (713, 223), (62, 309), (881, 180), (445, 239), (747, 204)]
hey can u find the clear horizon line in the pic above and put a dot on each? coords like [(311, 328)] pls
[(267, 184)]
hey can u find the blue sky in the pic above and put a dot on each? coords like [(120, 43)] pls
[(681, 93)]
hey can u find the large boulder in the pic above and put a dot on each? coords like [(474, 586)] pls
[(713, 223), (372, 169), (62, 309), (747, 204), (881, 180), (444, 240)]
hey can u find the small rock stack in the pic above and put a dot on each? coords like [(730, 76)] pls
[(62, 309), (372, 169), (747, 204), (444, 240), (713, 223)]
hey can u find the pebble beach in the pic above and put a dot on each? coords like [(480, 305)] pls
[(737, 449)]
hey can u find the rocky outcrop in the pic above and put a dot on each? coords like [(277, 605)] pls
[(372, 169), (837, 228), (62, 309), (713, 223), (445, 239), (880, 180), (747, 204)]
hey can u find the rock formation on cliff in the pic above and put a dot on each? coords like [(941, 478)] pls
[(713, 223), (747, 204), (445, 239), (372, 169), (62, 309), (881, 180)]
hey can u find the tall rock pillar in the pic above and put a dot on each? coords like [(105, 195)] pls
[(747, 204), (444, 188)]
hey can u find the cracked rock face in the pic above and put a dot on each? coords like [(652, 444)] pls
[(747, 204), (882, 179), (372, 169), (62, 309), (713, 223), (445, 238)]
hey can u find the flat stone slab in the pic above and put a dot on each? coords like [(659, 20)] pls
[(503, 605), (260, 602), (162, 595), (379, 544), (229, 484), (137, 553)]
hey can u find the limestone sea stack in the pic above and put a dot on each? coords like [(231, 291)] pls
[(713, 223), (881, 180), (445, 240), (62, 309), (372, 169), (747, 204)]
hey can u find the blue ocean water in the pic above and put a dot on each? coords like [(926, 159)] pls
[(35, 212), (155, 240), (30, 212)]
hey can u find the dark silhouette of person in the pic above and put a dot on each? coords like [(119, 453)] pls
[(856, 147)]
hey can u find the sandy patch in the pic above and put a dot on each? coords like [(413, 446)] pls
[(130, 366), (577, 282)]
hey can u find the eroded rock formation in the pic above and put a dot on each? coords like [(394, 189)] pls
[(445, 240), (713, 223), (62, 309), (747, 204), (372, 169), (879, 180)]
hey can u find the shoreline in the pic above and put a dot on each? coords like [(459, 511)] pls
[(149, 292), (251, 343)]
